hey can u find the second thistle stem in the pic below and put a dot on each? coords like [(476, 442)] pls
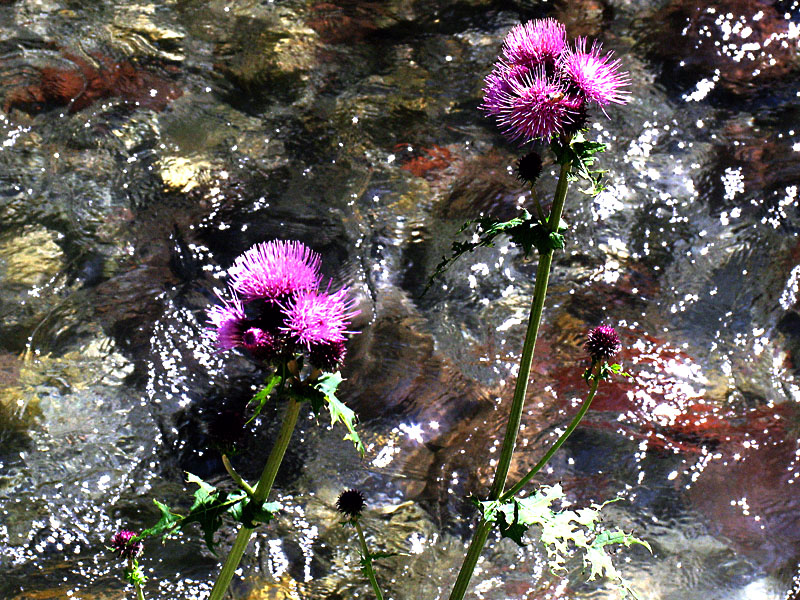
[(259, 496), (559, 442), (515, 416), (367, 561)]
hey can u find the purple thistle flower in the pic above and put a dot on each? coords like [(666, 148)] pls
[(535, 42), (123, 546), (229, 321), (274, 270), (314, 317), (597, 77), (603, 343), (531, 107)]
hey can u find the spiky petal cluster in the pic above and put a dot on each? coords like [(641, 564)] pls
[(124, 546), (603, 343), (542, 86), (277, 308), (273, 270), (596, 76), (538, 41), (314, 317)]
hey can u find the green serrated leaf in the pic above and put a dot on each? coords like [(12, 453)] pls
[(565, 533), (167, 523), (328, 384), (261, 397), (250, 515)]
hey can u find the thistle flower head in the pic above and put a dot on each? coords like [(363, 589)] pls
[(351, 503), (228, 321), (124, 546), (596, 77), (534, 106), (274, 270), (603, 343), (541, 86), (317, 318), (535, 42)]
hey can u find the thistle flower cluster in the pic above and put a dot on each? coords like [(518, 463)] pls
[(542, 85), (603, 343), (277, 307), (124, 545)]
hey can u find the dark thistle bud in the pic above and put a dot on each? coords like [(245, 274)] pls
[(226, 428), (351, 503), (124, 546), (327, 357), (529, 167), (602, 343)]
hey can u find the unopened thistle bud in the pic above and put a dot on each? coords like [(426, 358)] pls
[(351, 503), (603, 343), (124, 546)]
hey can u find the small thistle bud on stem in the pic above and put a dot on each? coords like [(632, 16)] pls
[(351, 503)]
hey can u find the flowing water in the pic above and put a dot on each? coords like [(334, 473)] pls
[(143, 146)]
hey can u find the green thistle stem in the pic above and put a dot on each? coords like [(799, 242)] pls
[(367, 561), (517, 404), (559, 442), (139, 592), (259, 496)]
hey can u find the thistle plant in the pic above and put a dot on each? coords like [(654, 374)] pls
[(125, 544), (351, 504), (540, 91), (277, 312)]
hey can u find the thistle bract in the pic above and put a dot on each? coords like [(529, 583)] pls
[(351, 503)]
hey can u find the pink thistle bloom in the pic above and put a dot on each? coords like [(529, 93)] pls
[(275, 270), (317, 318), (122, 544), (228, 320), (597, 77), (535, 42), (603, 343), (531, 107)]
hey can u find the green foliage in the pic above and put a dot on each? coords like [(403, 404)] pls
[(261, 397), (166, 524), (327, 385), (134, 574), (208, 509), (563, 533), (525, 231), (606, 371), (581, 154)]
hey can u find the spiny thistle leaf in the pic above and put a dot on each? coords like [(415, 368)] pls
[(261, 397), (581, 154), (327, 384), (166, 524), (563, 533), (525, 231)]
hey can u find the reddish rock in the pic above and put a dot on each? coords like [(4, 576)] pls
[(87, 80)]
